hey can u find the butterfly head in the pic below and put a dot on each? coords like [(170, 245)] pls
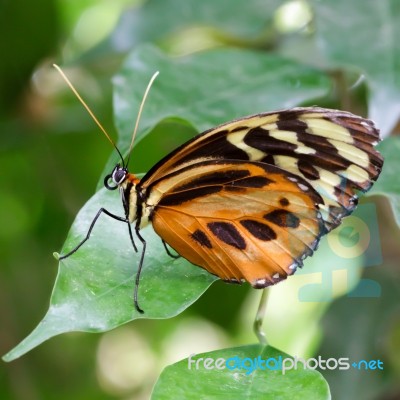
[(116, 178)]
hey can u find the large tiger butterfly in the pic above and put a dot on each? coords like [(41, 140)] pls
[(250, 199)]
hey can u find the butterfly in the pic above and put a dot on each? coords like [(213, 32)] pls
[(250, 199)]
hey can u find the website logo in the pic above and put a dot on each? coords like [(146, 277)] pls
[(249, 365)]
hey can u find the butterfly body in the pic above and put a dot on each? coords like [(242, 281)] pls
[(250, 199)]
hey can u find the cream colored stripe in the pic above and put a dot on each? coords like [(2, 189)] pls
[(356, 174), (291, 137), (236, 138), (351, 153), (288, 163), (327, 129)]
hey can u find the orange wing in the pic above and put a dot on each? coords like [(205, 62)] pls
[(238, 220)]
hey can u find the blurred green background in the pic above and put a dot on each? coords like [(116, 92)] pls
[(52, 158)]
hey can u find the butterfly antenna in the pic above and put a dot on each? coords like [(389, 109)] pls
[(88, 109), (139, 114)]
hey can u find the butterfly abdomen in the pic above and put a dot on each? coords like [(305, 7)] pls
[(129, 196)]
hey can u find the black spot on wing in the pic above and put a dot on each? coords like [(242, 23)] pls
[(259, 230), (260, 139), (308, 170), (227, 233), (283, 218), (201, 238), (289, 123), (290, 115), (175, 199), (268, 159), (284, 202)]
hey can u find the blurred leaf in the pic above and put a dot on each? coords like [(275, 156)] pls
[(388, 184), (359, 329), (82, 18), (209, 88), (94, 287), (179, 382), (20, 23), (143, 24), (364, 34)]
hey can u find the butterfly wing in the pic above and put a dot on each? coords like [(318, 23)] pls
[(238, 220), (331, 150)]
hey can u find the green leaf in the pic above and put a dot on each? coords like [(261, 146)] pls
[(374, 48), (94, 287), (178, 381), (209, 88), (388, 184), (143, 24), (179, 14)]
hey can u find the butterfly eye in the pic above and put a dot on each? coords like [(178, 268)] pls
[(117, 177)]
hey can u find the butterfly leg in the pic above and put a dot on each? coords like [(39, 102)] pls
[(135, 293), (257, 326), (102, 210), (168, 251), (131, 236)]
